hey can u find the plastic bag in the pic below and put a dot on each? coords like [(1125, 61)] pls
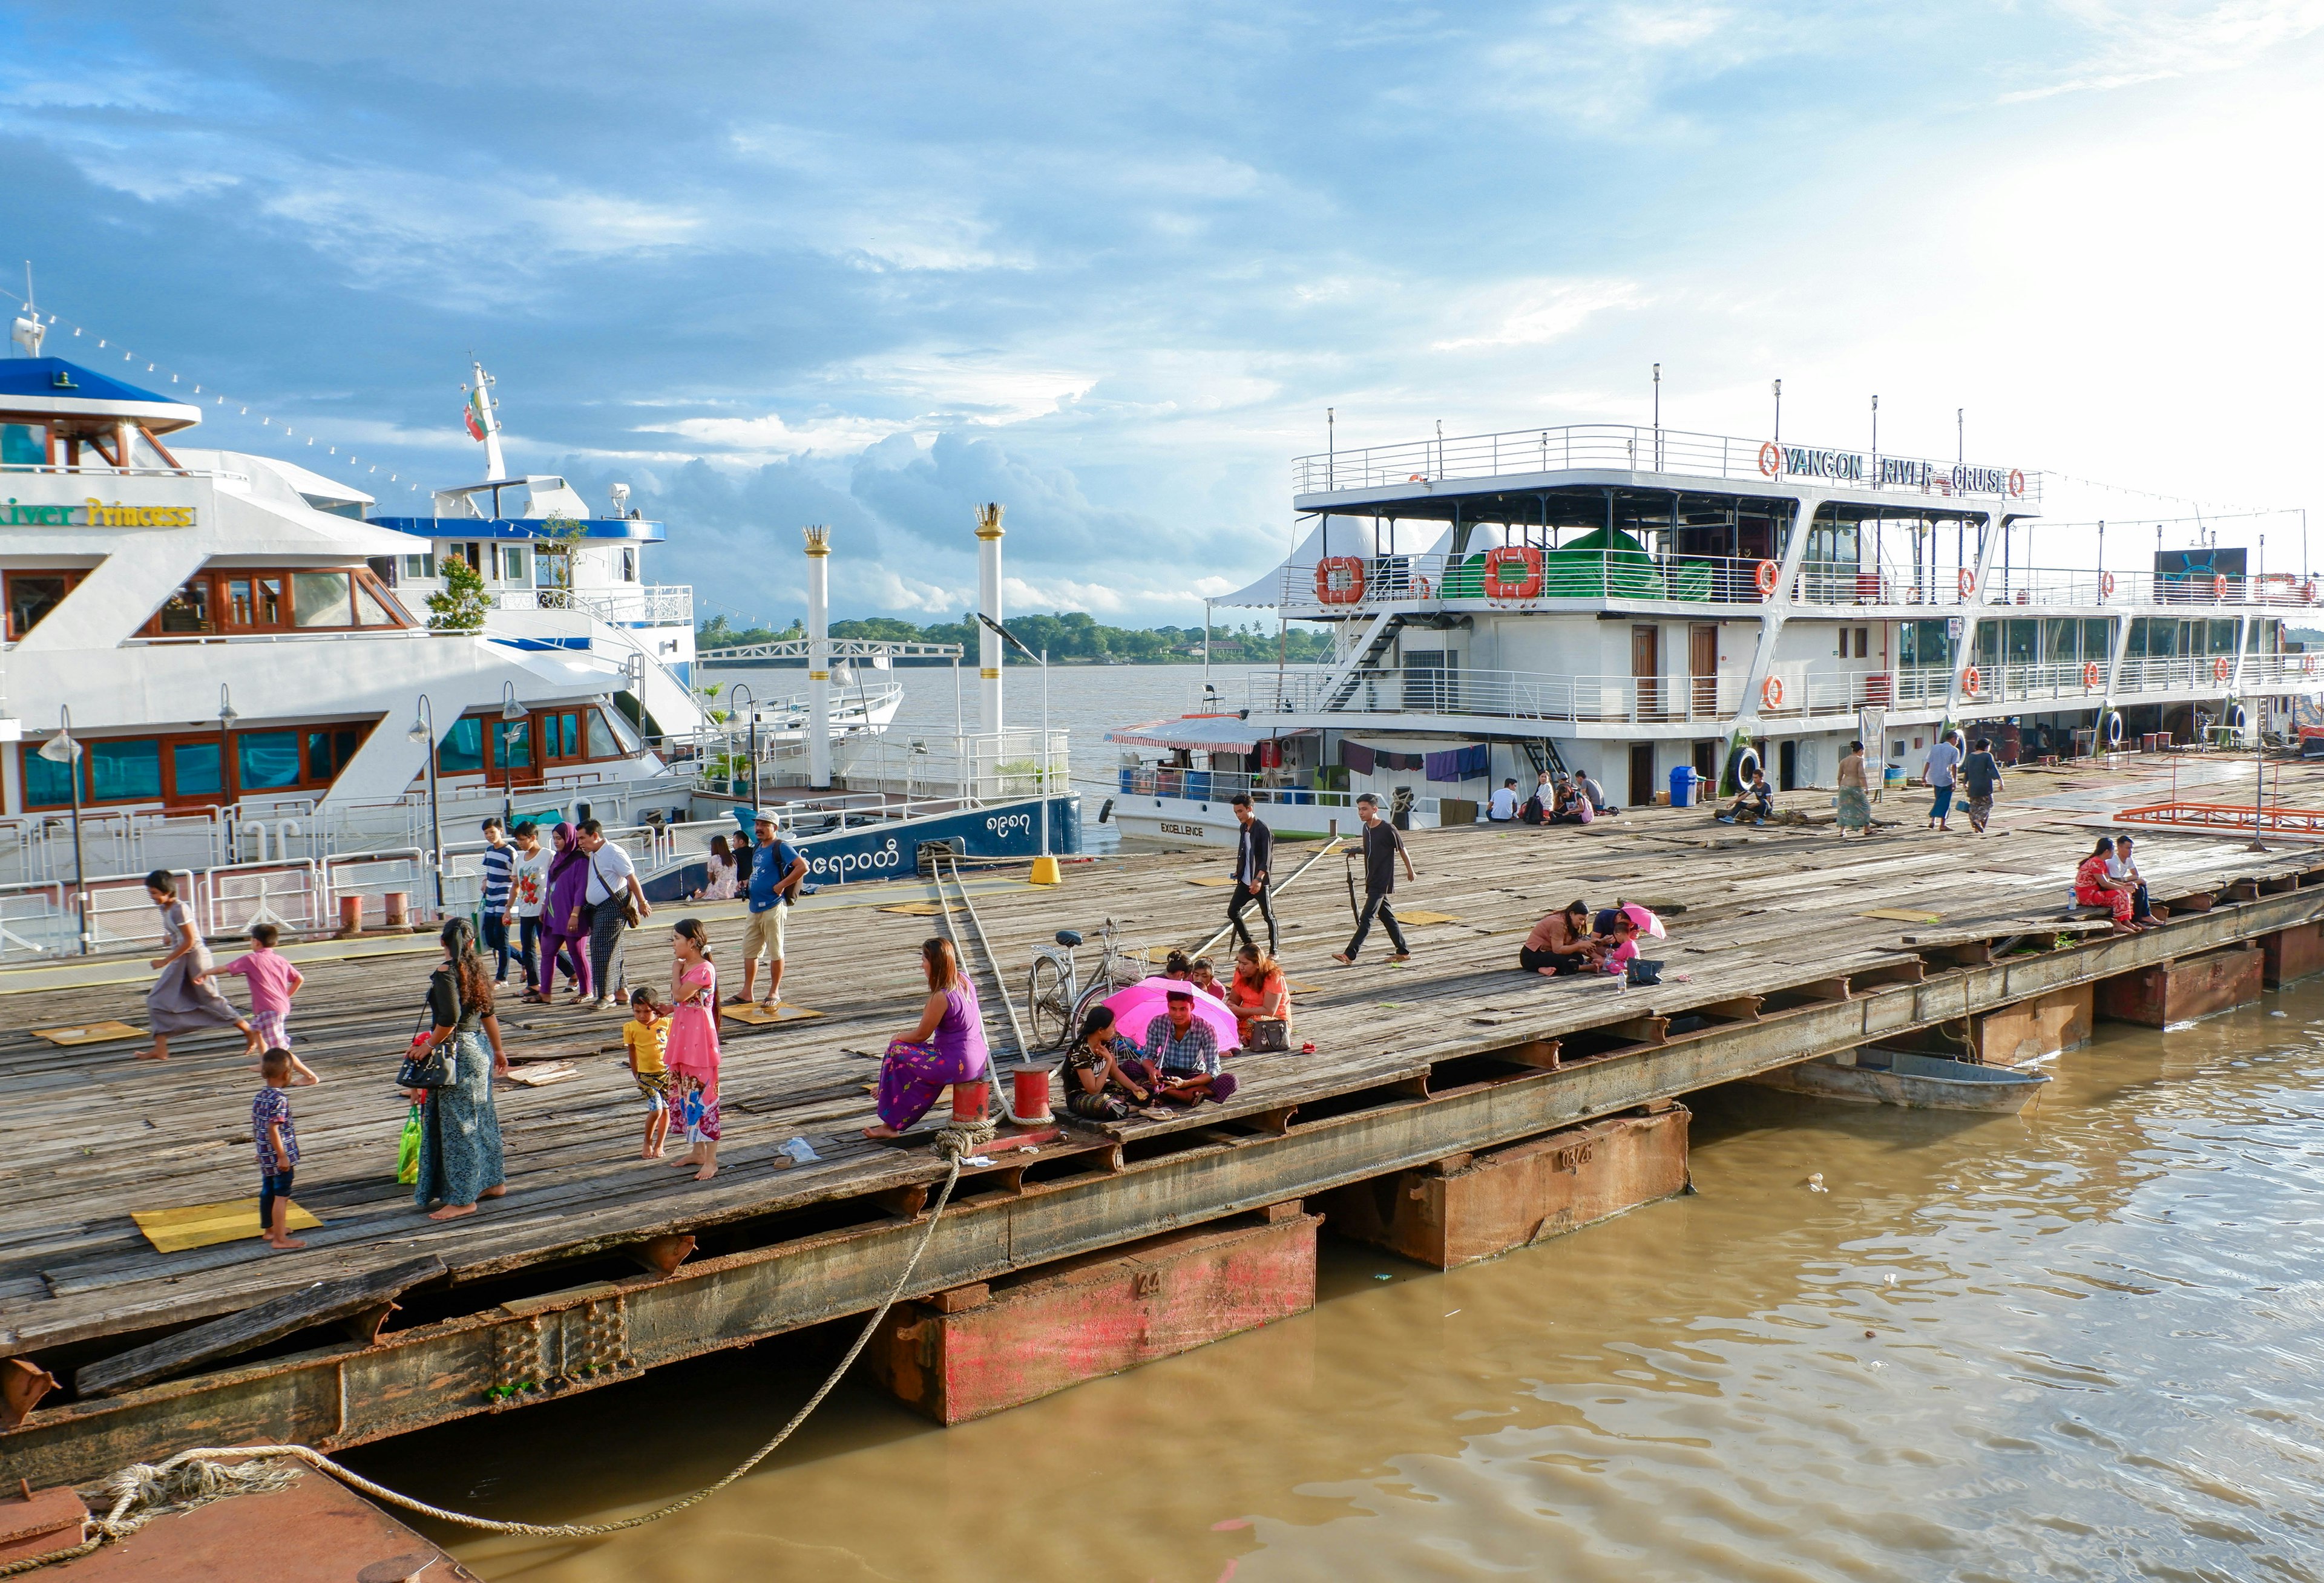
[(407, 1152)]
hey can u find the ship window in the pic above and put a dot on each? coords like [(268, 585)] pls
[(320, 599), (369, 611), (266, 760), (419, 565), (46, 785), (144, 452), (194, 770), (2223, 637), (121, 771), (24, 445), (512, 744), (561, 735), (629, 565), (189, 609), (514, 564), (253, 602), (624, 734), (602, 744), (32, 594), (463, 747), (327, 752)]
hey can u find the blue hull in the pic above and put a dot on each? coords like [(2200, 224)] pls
[(890, 849)]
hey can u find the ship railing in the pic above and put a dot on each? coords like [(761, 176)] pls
[(1219, 786), (648, 605), (107, 470), (980, 767), (1630, 448)]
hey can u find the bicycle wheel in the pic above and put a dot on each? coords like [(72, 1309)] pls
[(1089, 998), (1049, 1015)]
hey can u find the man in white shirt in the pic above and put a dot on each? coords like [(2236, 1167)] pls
[(1938, 775), (1503, 810), (2124, 867), (612, 876)]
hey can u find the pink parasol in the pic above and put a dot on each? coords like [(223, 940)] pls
[(1646, 922), (1134, 1008)]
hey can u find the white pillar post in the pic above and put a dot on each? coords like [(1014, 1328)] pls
[(989, 653), (818, 658)]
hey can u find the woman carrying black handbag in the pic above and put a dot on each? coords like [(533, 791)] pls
[(460, 1132)]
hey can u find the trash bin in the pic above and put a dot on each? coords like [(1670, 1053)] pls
[(1681, 781)]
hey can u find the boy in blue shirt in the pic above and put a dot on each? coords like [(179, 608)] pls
[(776, 871)]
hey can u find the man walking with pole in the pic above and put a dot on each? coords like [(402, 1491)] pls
[(1254, 850), (1382, 846)]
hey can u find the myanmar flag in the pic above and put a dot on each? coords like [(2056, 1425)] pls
[(479, 416)]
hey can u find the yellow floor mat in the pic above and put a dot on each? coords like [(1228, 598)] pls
[(95, 1033), (205, 1225)]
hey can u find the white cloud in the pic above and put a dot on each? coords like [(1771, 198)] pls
[(763, 439), (2149, 43), (1536, 312)]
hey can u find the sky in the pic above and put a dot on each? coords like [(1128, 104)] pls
[(773, 264)]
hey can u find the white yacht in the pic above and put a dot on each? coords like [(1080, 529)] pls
[(1660, 608)]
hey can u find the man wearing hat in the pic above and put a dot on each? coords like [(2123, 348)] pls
[(776, 868)]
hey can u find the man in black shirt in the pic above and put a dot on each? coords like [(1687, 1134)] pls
[(1382, 846), (1254, 850)]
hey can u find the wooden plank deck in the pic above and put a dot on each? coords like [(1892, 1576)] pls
[(1776, 914)]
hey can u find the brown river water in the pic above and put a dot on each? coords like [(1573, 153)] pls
[(2093, 1334)]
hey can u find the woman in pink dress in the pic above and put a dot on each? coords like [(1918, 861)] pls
[(692, 1058)]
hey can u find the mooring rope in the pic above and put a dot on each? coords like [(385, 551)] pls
[(145, 1491)]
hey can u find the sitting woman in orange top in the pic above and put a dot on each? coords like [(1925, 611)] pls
[(2094, 887), (1260, 1001)]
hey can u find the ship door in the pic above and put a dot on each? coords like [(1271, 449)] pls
[(1645, 670), (1787, 766), (514, 762), (1702, 668), (1642, 774)]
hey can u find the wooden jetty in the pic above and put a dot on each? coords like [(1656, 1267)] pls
[(1786, 943)]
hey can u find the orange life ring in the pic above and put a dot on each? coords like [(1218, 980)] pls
[(1421, 586), (1771, 460), (1338, 580), (2308, 665), (2091, 673), (1525, 584), (1972, 682), (2218, 587), (1764, 578), (2016, 481), (2105, 584), (2220, 668), (2308, 591), (1771, 691), (1968, 582)]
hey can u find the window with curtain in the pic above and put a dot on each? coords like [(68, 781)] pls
[(320, 599), (266, 760), (194, 769), (46, 785), (462, 750)]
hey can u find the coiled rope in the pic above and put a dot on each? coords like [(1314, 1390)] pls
[(145, 1491)]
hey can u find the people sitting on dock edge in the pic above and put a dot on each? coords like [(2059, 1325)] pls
[(1260, 1000), (2094, 887), (1503, 807), (1937, 775), (1541, 804), (1381, 846), (1573, 805), (1561, 942), (1754, 804), (1254, 856), (2123, 868), (1854, 802), (1587, 785), (778, 869), (1105, 1076), (1184, 1050), (720, 880), (946, 1047)]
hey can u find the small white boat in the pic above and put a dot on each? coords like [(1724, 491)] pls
[(1907, 1078)]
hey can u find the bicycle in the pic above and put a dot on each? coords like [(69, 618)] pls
[(1055, 1000)]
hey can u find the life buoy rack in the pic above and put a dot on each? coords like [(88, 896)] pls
[(1972, 682), (2110, 728), (2089, 674), (1771, 693), (1968, 582), (2105, 584), (1500, 585), (2219, 587), (1763, 577), (2220, 668), (2236, 719), (1338, 580), (2016, 481)]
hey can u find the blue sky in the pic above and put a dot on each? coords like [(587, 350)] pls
[(774, 264)]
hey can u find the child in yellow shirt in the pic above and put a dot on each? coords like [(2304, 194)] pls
[(647, 1035)]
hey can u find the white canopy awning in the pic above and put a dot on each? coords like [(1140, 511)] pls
[(1201, 733)]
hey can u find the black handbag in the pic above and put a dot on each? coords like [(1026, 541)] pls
[(428, 1065), (1268, 1034)]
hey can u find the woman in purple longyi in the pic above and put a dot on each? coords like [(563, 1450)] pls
[(947, 1047)]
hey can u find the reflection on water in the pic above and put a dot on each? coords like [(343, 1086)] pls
[(2078, 1343)]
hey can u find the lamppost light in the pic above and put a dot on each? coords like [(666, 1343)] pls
[(418, 731), (59, 749)]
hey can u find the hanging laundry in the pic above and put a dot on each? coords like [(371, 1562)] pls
[(1356, 756), (1404, 761)]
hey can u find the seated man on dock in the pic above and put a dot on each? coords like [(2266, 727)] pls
[(1184, 1050), (1754, 804), (1587, 785), (2123, 868)]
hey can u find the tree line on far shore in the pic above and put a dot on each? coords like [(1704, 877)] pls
[(1072, 638)]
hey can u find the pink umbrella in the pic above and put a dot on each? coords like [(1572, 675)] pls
[(1646, 922), (1134, 1008)]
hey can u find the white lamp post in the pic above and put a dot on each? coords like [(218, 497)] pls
[(423, 731), (739, 693), (61, 749), (511, 712), (1045, 871)]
